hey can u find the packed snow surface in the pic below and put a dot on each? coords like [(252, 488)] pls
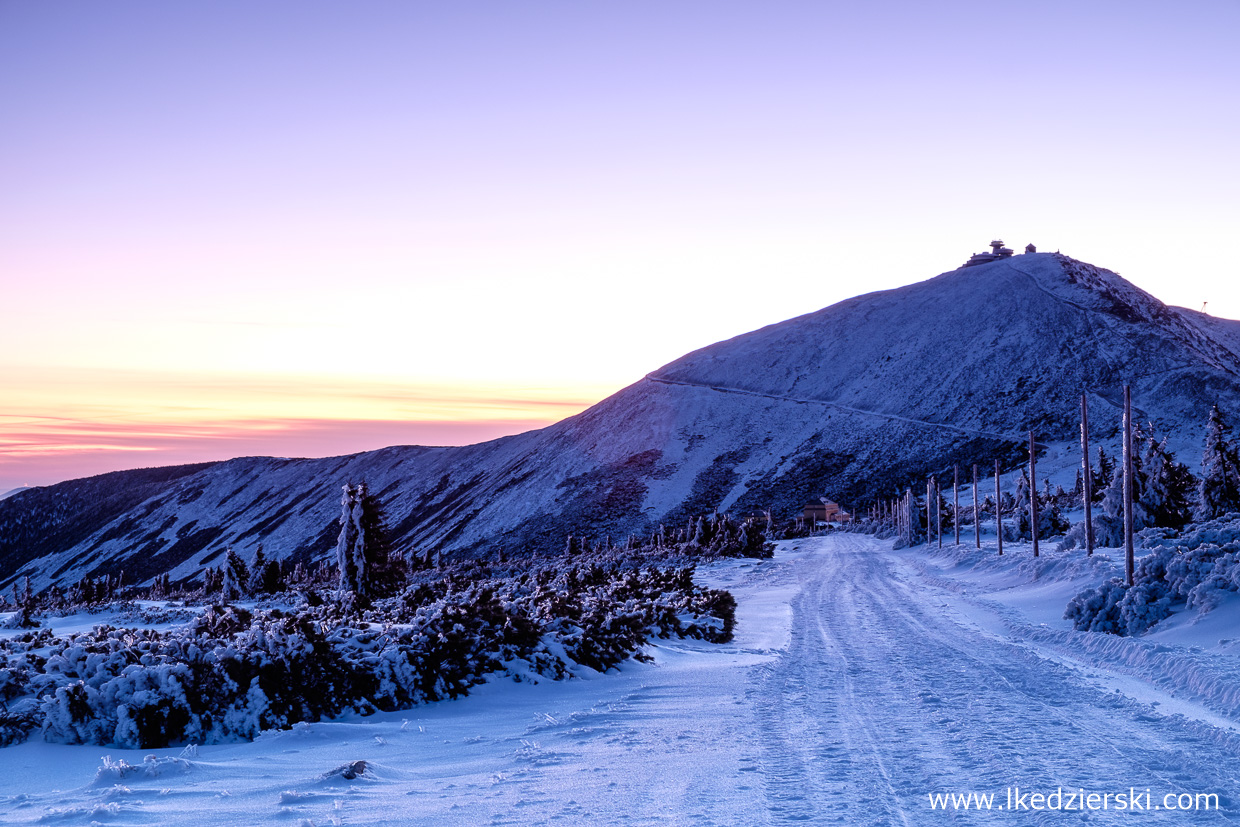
[(862, 681)]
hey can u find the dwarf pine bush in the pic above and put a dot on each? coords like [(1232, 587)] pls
[(232, 672)]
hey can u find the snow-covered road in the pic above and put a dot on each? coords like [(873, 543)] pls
[(859, 684), (887, 694)]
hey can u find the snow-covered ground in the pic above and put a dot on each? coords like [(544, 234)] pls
[(861, 681)]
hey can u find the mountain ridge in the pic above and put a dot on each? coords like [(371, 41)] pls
[(853, 399)]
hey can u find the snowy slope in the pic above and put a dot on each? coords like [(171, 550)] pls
[(861, 681), (850, 401), (997, 347)]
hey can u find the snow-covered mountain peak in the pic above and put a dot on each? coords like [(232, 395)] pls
[(849, 401)]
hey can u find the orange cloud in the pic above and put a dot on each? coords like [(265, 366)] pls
[(65, 423), (52, 453)]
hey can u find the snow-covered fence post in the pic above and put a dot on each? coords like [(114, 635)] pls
[(899, 504), (998, 510), (908, 515), (938, 512), (1033, 492), (956, 497), (1087, 478), (1128, 553), (929, 500), (905, 528), (977, 514)]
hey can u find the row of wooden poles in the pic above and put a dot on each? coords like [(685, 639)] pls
[(899, 511)]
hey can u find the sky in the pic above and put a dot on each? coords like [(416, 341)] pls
[(313, 228)]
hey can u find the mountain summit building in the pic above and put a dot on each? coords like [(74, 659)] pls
[(997, 251)]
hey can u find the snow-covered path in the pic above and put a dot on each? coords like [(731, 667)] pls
[(887, 695), (858, 685)]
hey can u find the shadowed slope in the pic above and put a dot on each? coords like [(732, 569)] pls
[(852, 400)]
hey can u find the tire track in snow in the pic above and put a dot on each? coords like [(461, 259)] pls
[(881, 698)]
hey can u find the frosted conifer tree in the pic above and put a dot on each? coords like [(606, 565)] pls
[(1104, 474), (236, 577), (1022, 506), (1218, 493), (254, 585), (1109, 525), (1167, 486), (211, 581), (386, 570), (265, 576), (351, 545)]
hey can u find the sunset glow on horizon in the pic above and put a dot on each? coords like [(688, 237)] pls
[(311, 228), (113, 420)]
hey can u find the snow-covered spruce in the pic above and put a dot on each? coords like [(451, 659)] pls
[(1163, 492), (1194, 569), (1219, 490), (232, 673)]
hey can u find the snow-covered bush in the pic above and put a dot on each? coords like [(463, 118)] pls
[(1194, 568), (705, 537), (1097, 609), (232, 672)]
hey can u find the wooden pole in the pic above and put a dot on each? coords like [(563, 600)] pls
[(929, 497), (900, 515), (977, 514), (938, 513), (1128, 554), (908, 515), (909, 508), (903, 507), (998, 510), (956, 497), (1033, 492), (1087, 478)]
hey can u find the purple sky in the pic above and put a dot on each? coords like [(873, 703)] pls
[(314, 228)]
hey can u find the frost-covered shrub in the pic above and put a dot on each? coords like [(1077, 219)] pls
[(1097, 609), (18, 721), (231, 672), (1143, 605), (705, 537), (1194, 567), (1051, 522), (139, 615)]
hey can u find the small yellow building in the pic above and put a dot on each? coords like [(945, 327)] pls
[(825, 511)]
